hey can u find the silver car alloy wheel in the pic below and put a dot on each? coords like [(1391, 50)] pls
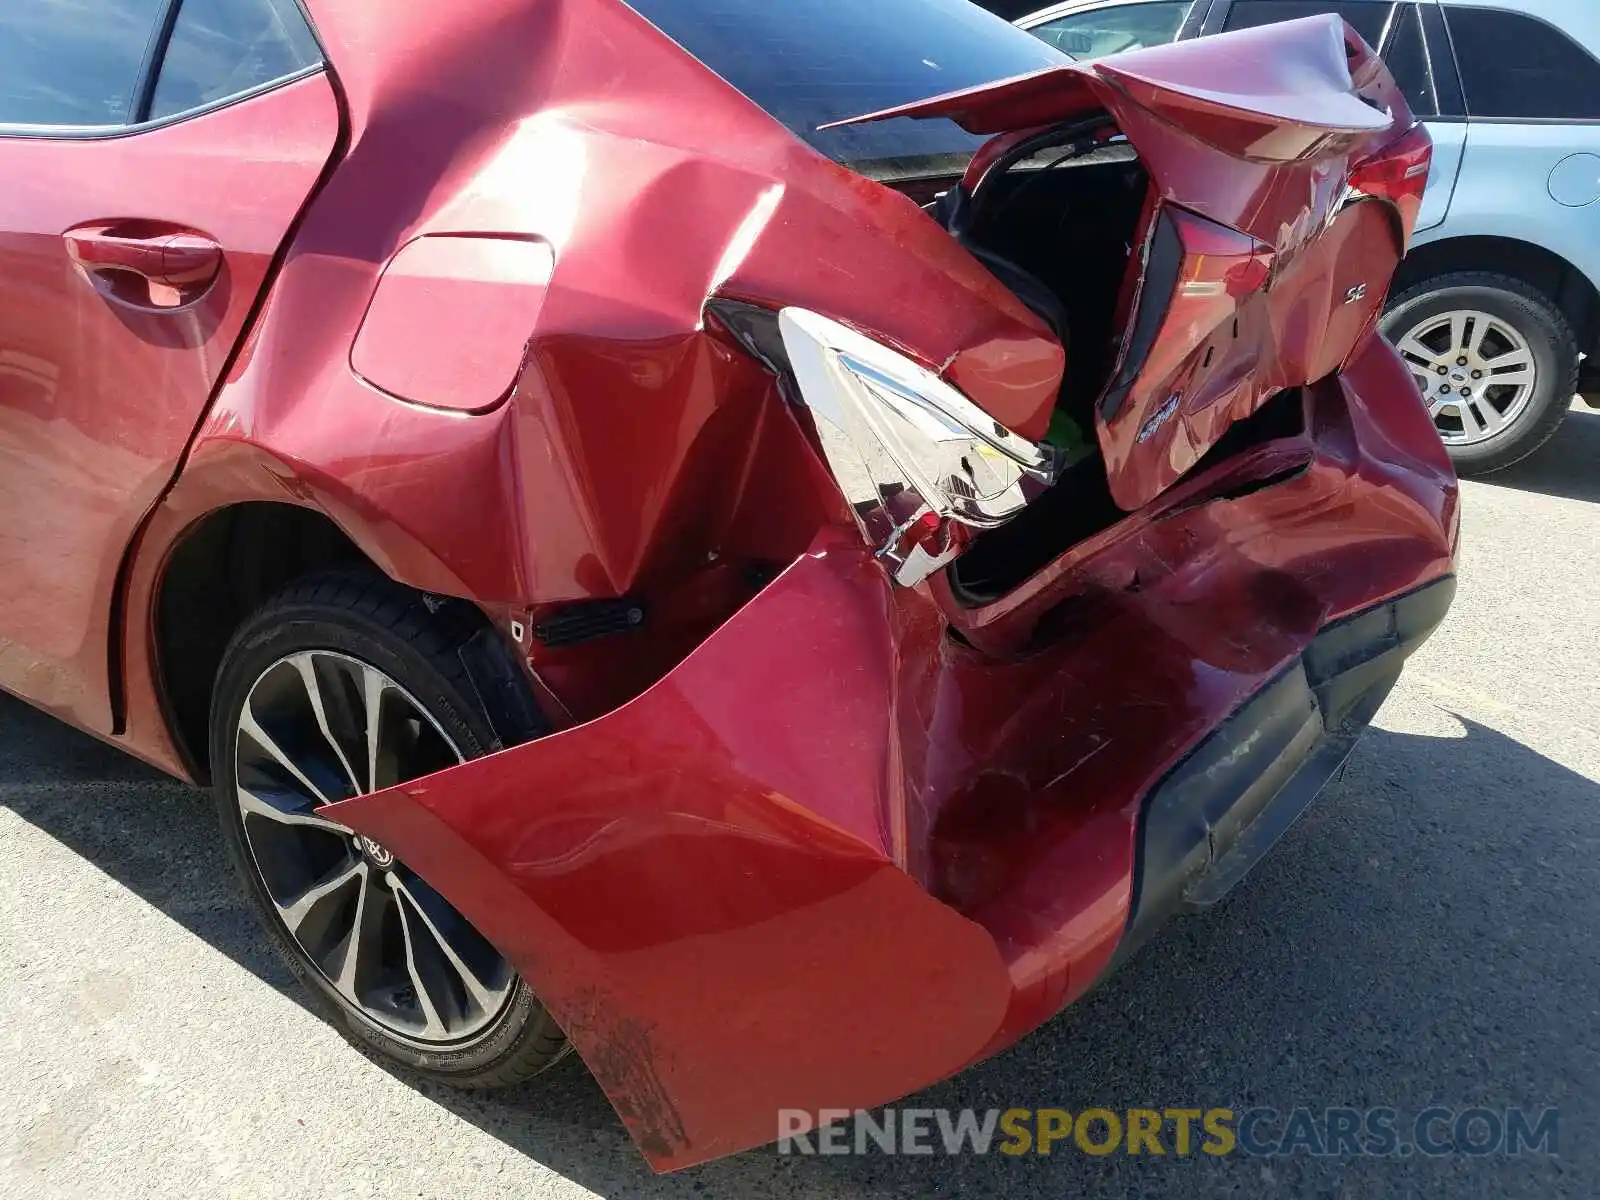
[(318, 727), (1475, 371)]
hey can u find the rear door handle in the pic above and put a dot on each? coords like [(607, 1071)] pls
[(145, 264)]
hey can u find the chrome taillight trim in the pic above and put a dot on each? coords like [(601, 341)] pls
[(911, 454)]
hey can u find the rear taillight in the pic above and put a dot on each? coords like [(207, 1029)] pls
[(921, 466), (1399, 174)]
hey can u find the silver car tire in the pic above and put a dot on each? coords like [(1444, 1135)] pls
[(1496, 362)]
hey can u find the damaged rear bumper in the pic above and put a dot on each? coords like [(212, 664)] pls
[(839, 854), (1219, 812)]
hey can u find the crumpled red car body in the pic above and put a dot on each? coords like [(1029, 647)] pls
[(836, 855), (812, 839)]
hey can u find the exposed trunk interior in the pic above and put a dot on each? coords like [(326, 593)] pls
[(1062, 229), (1080, 505), (1189, 323), (1073, 227)]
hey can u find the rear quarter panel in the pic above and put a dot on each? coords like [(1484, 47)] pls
[(626, 457), (1504, 191)]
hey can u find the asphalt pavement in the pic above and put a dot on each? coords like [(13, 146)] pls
[(1426, 936)]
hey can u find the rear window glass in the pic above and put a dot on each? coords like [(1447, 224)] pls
[(808, 62), (1519, 67), (1408, 59)]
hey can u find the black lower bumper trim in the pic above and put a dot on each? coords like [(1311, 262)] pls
[(1227, 803)]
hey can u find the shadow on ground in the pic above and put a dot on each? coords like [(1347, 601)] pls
[(1567, 466), (1409, 944)]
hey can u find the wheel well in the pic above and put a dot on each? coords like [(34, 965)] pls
[(1551, 274), (221, 572)]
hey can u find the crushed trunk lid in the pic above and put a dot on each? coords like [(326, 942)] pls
[(1255, 270)]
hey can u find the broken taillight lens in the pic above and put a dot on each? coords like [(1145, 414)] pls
[(921, 466), (1399, 174)]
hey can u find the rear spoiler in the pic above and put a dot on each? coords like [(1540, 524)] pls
[(1269, 94)]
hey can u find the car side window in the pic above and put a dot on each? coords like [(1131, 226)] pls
[(1518, 67), (222, 48), (1407, 56), (1103, 31), (72, 62), (1369, 18)]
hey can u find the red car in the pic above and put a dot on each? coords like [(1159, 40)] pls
[(655, 561)]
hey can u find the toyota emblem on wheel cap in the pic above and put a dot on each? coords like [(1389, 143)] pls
[(378, 854)]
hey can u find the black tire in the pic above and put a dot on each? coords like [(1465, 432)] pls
[(457, 669), (1542, 325)]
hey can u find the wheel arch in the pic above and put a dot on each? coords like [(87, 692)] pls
[(223, 567), (240, 524), (1568, 287)]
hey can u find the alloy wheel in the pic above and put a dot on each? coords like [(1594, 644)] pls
[(318, 727), (1475, 371)]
